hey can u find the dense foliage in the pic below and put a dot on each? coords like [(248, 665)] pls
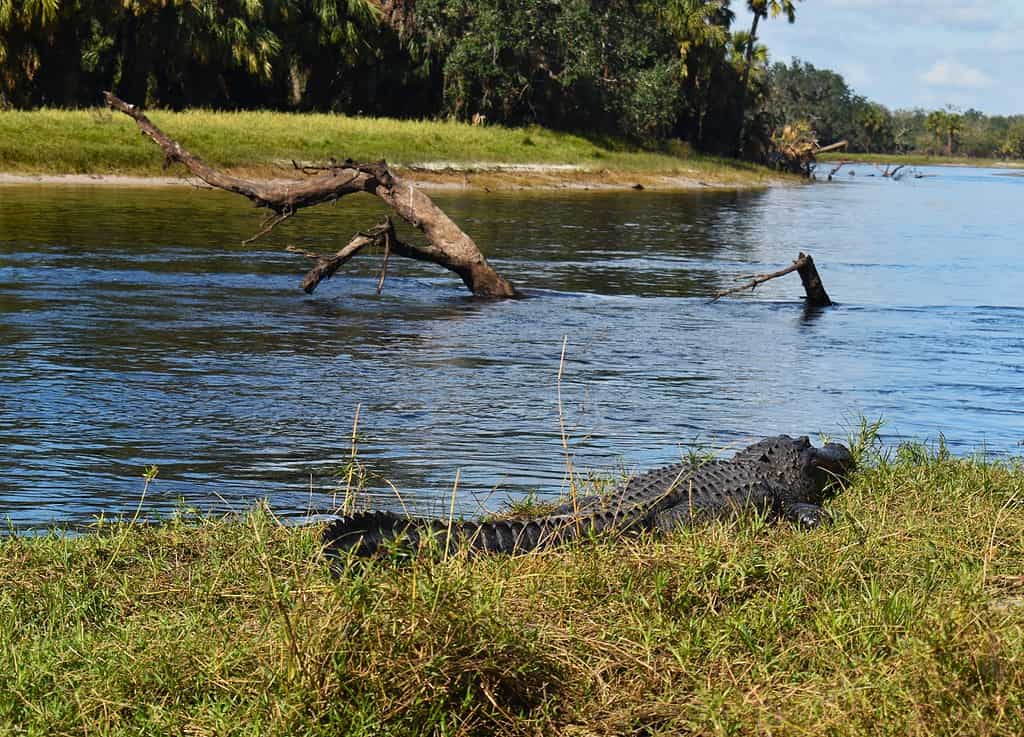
[(646, 70), (176, 53)]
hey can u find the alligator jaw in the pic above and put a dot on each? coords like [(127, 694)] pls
[(830, 463)]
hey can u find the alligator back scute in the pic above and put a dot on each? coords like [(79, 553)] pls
[(639, 489)]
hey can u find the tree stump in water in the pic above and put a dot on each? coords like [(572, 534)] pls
[(813, 288), (803, 265)]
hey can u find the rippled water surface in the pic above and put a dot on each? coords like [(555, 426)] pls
[(135, 329)]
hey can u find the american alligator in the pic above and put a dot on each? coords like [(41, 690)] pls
[(780, 477)]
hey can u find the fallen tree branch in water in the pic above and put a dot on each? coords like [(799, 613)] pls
[(448, 245), (382, 234), (804, 264)]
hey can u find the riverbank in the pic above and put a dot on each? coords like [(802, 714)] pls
[(97, 147), (916, 160), (906, 617)]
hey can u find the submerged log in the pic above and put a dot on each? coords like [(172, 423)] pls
[(448, 245), (814, 290)]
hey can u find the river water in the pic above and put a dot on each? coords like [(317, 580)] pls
[(136, 330)]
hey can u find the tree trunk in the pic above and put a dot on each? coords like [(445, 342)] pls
[(813, 288), (298, 79), (448, 245), (134, 61), (742, 140)]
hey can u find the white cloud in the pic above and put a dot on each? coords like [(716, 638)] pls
[(956, 15), (948, 73), (888, 49)]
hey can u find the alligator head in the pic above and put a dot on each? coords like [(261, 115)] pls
[(827, 465)]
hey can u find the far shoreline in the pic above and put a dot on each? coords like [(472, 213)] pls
[(502, 177), (916, 160), (519, 178), (86, 147)]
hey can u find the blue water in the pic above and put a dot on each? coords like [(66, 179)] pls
[(135, 329)]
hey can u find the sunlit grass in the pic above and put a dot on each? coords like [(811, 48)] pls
[(99, 142), (905, 618)]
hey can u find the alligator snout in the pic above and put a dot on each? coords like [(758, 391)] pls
[(831, 462)]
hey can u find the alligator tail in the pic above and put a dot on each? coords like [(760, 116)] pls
[(370, 533), (367, 533)]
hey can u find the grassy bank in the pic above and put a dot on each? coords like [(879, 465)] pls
[(905, 618), (917, 160), (264, 143)]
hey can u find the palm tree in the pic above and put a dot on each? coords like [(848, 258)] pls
[(875, 121), (42, 43), (321, 35), (181, 52), (945, 124), (701, 30), (760, 9)]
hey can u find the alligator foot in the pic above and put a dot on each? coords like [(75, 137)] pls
[(807, 516)]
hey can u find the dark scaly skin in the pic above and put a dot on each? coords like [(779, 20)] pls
[(782, 477), (366, 533)]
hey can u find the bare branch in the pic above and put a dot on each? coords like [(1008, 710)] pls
[(327, 265), (384, 264), (268, 225), (758, 279), (831, 147)]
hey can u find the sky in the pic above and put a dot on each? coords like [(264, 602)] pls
[(909, 53)]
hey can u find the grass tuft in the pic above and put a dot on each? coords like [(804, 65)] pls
[(905, 617)]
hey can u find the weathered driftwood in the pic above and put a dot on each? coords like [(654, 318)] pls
[(448, 245), (804, 265), (832, 147), (889, 171), (892, 173)]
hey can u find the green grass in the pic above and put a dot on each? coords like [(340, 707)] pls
[(920, 160), (905, 618), (99, 142)]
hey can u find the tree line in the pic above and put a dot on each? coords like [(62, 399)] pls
[(799, 92), (646, 70)]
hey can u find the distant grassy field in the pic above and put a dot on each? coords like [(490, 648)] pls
[(915, 160), (99, 142), (905, 618)]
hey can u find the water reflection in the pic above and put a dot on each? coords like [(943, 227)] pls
[(136, 329)]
